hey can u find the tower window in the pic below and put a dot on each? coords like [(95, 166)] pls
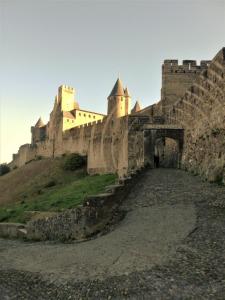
[(68, 120)]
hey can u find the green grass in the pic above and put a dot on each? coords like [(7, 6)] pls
[(67, 193)]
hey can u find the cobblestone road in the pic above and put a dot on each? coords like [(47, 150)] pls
[(169, 246)]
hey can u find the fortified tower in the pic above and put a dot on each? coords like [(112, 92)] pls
[(176, 79), (38, 132), (136, 108), (119, 101), (66, 96), (127, 101)]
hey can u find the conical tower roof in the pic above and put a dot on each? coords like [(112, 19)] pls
[(136, 107), (117, 89), (39, 123), (126, 92)]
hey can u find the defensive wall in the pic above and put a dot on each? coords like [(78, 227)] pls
[(193, 98), (176, 79), (105, 142), (201, 112)]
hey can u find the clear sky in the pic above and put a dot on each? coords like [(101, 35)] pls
[(86, 44)]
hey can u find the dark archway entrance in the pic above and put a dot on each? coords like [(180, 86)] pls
[(163, 145)]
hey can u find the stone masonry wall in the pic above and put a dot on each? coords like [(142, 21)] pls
[(176, 79), (105, 142), (97, 213), (201, 112)]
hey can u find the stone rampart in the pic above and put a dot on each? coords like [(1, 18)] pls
[(105, 143), (201, 112), (176, 79)]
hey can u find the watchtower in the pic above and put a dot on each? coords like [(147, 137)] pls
[(119, 101), (176, 79), (66, 97)]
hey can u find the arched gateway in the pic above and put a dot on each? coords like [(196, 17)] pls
[(158, 142)]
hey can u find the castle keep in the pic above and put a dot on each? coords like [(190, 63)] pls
[(186, 128)]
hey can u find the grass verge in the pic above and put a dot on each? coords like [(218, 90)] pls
[(57, 197)]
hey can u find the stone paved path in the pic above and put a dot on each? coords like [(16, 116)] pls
[(169, 246)]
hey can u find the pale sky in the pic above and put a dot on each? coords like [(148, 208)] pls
[(86, 44)]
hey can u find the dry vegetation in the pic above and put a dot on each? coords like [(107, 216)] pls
[(45, 185)]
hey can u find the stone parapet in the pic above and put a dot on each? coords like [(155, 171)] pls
[(172, 65)]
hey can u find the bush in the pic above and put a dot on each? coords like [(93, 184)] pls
[(4, 169), (74, 161), (39, 157), (50, 184)]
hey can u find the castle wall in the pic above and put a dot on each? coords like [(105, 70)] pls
[(176, 79), (202, 114), (25, 154), (154, 112), (38, 134), (105, 142), (108, 148)]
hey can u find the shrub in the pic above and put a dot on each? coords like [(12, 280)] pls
[(50, 183), (39, 157), (74, 161), (4, 169)]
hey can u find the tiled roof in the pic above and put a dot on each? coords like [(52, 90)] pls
[(117, 89), (126, 92), (136, 107), (39, 123), (68, 114)]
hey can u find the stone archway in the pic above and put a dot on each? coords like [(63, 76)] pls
[(156, 137)]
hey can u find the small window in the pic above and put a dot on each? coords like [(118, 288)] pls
[(94, 117), (84, 115), (79, 114), (89, 116), (68, 120)]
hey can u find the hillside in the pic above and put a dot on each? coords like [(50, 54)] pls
[(44, 185)]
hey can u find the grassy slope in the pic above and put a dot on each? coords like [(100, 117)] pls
[(25, 189)]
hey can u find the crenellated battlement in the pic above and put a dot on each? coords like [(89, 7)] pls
[(66, 87), (78, 130), (187, 66)]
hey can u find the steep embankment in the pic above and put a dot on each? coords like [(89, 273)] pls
[(202, 113), (45, 185)]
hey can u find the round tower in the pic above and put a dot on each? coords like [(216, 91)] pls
[(128, 101), (136, 108), (117, 101)]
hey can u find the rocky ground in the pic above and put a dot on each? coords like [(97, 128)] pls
[(170, 245)]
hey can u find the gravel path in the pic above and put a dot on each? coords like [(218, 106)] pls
[(169, 246)]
